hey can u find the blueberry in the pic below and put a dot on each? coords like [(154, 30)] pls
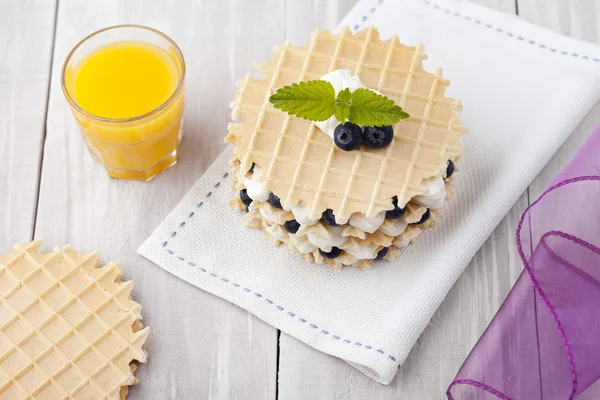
[(348, 136), (291, 226), (246, 200), (397, 212), (378, 136), (274, 200), (329, 218), (424, 218), (449, 169), (382, 253), (332, 254)]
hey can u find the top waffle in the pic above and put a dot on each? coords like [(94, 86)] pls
[(301, 164)]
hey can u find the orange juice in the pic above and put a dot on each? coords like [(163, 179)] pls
[(127, 96), (124, 79)]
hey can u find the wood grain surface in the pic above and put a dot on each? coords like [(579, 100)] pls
[(214, 350), (26, 39)]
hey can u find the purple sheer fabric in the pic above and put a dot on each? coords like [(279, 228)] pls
[(544, 342)]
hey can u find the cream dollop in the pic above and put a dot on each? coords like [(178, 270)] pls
[(393, 227), (435, 193), (340, 79), (367, 252), (302, 244), (302, 215), (325, 243), (277, 232), (255, 188), (269, 215), (367, 225), (402, 242)]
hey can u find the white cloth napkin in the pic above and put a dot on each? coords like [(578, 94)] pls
[(524, 90)]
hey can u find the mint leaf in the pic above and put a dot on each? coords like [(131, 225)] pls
[(344, 97), (342, 105), (371, 109), (312, 100)]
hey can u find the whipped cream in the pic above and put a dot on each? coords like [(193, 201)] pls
[(269, 215), (277, 232), (302, 215), (324, 243), (402, 241), (302, 244), (367, 252), (255, 188), (367, 225), (340, 79), (435, 193), (393, 227)]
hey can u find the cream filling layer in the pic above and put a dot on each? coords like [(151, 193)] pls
[(367, 225), (433, 198), (302, 244), (435, 193), (335, 240), (367, 252), (302, 215), (394, 227)]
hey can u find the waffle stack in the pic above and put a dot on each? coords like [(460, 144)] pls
[(68, 329), (307, 175)]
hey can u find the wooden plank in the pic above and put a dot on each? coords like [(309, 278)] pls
[(305, 373), (580, 19), (200, 346), (26, 38), (303, 17)]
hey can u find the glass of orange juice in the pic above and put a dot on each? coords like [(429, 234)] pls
[(125, 86)]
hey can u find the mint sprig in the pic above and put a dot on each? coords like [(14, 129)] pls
[(316, 101), (311, 100)]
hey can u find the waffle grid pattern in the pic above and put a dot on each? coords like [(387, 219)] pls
[(66, 326), (303, 165)]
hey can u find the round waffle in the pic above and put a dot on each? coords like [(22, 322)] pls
[(301, 164), (68, 327)]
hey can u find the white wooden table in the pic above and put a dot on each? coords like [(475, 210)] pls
[(50, 188)]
